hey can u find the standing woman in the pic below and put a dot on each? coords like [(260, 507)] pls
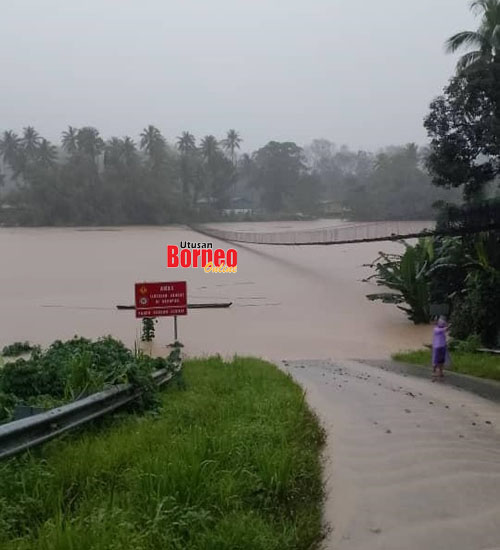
[(440, 354)]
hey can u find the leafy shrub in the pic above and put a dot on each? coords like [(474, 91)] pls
[(148, 329), (463, 272), (7, 404), (24, 378), (469, 345), (407, 275), (67, 371), (477, 310), (17, 348)]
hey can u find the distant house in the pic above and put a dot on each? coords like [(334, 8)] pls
[(205, 201), (239, 206), (7, 182), (9, 214), (332, 209)]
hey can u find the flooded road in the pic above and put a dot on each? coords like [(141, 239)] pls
[(288, 302), (408, 465)]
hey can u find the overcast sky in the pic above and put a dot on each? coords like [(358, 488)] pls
[(356, 72)]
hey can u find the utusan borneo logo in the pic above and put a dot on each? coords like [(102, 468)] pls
[(202, 255)]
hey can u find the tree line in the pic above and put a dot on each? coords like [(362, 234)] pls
[(89, 180), (86, 180)]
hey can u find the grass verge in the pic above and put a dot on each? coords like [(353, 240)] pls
[(481, 365), (231, 462)]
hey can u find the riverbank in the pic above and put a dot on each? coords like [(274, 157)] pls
[(230, 461)]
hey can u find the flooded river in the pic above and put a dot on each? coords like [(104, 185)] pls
[(288, 302)]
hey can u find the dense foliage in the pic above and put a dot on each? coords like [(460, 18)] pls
[(476, 306), (392, 184), (17, 348), (462, 272), (408, 276), (279, 171), (470, 217), (90, 181), (464, 122), (464, 127), (70, 370)]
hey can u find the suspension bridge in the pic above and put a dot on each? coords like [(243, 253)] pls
[(336, 234), (348, 233)]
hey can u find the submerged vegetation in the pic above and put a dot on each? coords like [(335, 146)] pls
[(148, 329), (69, 370), (230, 462), (17, 348), (408, 276), (463, 273)]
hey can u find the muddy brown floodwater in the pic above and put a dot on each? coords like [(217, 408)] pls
[(288, 302)]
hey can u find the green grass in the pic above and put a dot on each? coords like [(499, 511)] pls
[(481, 365), (231, 462)]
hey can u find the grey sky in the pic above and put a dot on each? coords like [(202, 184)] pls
[(356, 72)]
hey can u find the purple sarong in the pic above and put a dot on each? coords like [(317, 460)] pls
[(440, 353)]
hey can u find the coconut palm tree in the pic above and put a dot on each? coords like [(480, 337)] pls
[(186, 143), (89, 142), (151, 140), (47, 153), (485, 41), (154, 144), (231, 143), (69, 140), (9, 148), (113, 152), (209, 147), (130, 152), (30, 142)]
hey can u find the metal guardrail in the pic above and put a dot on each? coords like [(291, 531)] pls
[(20, 435)]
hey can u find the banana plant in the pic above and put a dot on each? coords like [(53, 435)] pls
[(407, 276)]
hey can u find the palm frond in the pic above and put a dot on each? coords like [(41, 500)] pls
[(464, 39), (469, 60), (495, 36), (485, 6)]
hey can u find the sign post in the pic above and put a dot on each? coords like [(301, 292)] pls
[(161, 300)]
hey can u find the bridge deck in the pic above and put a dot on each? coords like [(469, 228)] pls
[(340, 234), (350, 233)]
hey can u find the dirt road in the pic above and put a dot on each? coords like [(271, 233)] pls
[(410, 465)]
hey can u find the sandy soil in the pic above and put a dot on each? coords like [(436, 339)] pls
[(411, 465)]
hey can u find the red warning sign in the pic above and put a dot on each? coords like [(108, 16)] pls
[(160, 299)]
